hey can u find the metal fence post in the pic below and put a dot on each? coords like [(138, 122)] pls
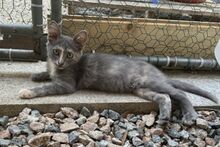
[(37, 17), (56, 9), (37, 22)]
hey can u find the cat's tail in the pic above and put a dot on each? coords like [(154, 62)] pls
[(193, 89)]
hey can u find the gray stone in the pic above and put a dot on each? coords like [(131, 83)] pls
[(4, 120), (89, 126), (35, 113), (104, 113), (102, 121), (184, 134), (201, 133), (148, 119), (60, 115), (103, 143), (172, 143), (217, 138), (85, 112), (37, 126), (97, 135), (14, 130), (24, 113), (122, 125), (18, 141), (5, 134), (132, 118), (25, 129), (127, 144), (40, 140), (149, 144), (30, 136), (51, 128), (53, 144), (215, 125), (67, 127), (84, 139), (60, 137), (4, 142), (68, 120), (50, 115), (110, 114), (70, 112), (110, 122), (106, 129), (176, 126), (193, 131), (187, 144), (119, 133), (91, 144), (94, 118), (156, 138), (210, 141), (137, 141), (81, 120), (112, 145), (199, 142), (73, 137), (30, 118), (116, 141), (78, 145), (140, 124), (114, 115), (64, 145), (202, 123), (217, 131), (133, 133), (155, 131), (212, 133), (173, 133), (130, 126)]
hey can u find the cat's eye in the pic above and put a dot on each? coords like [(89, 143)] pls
[(70, 55), (56, 52)]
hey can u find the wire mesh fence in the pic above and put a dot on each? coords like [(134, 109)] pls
[(188, 28)]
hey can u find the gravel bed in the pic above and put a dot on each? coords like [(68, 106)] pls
[(71, 128)]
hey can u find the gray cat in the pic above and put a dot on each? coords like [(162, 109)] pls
[(70, 71)]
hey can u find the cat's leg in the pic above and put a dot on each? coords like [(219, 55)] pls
[(189, 113), (45, 90), (162, 100), (40, 77)]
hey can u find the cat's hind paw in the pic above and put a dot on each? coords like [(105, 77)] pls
[(189, 118), (26, 94)]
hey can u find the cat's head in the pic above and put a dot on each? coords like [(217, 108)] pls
[(63, 50)]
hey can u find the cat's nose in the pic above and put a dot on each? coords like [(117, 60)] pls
[(60, 63)]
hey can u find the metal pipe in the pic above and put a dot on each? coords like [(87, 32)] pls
[(160, 61), (18, 55), (181, 62), (16, 29), (56, 9), (37, 17)]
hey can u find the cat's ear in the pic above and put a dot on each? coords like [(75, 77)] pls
[(54, 31), (81, 37)]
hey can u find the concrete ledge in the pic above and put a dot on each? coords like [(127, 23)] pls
[(15, 76)]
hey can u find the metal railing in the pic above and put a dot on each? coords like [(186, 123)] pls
[(24, 42)]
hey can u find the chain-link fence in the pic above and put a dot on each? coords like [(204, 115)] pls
[(187, 28), (21, 30), (15, 11), (147, 27)]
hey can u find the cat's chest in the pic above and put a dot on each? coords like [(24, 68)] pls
[(51, 68)]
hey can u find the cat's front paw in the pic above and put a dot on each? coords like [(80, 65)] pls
[(26, 94)]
